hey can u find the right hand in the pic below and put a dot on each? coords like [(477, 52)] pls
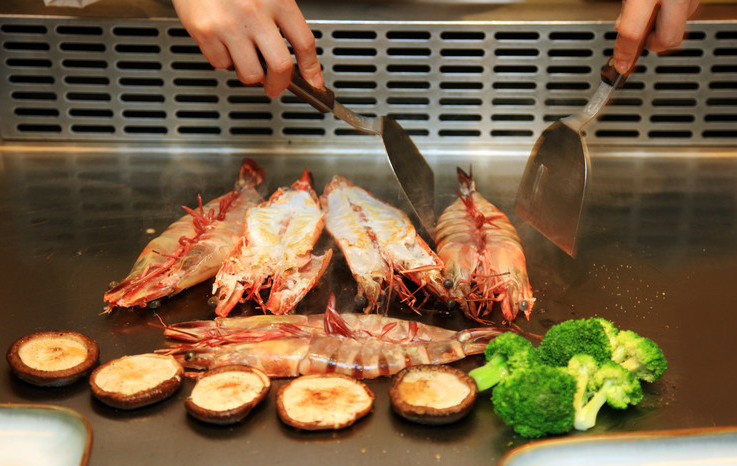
[(232, 33), (632, 25)]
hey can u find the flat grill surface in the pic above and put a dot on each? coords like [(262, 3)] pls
[(658, 254)]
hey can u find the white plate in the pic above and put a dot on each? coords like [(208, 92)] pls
[(43, 435), (688, 447)]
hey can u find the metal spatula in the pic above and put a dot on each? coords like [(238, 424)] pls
[(553, 187), (410, 168)]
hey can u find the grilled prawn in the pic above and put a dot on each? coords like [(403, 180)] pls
[(275, 252), (191, 249), (483, 255), (378, 240), (359, 345)]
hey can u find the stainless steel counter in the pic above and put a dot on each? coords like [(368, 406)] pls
[(658, 254)]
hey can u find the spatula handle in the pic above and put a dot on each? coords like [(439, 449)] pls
[(322, 99), (610, 75)]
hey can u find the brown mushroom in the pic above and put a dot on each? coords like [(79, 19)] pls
[(318, 402), (134, 381), (53, 358), (432, 394), (227, 394)]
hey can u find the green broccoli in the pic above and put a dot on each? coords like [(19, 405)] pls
[(504, 354), (536, 401), (639, 355), (611, 384), (609, 328), (582, 367), (576, 336)]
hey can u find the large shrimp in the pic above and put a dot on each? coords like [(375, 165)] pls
[(378, 240), (360, 345), (483, 255), (192, 249), (275, 251)]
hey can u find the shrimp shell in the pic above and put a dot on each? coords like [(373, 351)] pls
[(192, 248), (359, 345), (483, 255), (379, 240), (275, 252)]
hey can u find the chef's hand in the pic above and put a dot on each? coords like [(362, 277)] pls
[(231, 33), (632, 23)]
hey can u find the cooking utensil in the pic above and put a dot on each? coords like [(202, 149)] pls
[(410, 168), (553, 187), (552, 191)]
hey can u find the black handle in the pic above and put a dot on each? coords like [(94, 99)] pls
[(610, 75), (322, 99)]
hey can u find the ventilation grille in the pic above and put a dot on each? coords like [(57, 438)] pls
[(81, 79)]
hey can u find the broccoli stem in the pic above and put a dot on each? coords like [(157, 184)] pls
[(579, 397), (619, 353), (585, 417), (491, 373), (633, 365)]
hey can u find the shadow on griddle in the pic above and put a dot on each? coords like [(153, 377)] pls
[(35, 394)]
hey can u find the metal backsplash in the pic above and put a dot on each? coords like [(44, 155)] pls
[(458, 82)]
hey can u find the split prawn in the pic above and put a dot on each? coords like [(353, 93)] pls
[(378, 241), (274, 252), (192, 248), (483, 255), (359, 345)]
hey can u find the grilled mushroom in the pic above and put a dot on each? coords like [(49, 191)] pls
[(227, 394), (134, 381), (318, 402), (53, 358), (432, 394)]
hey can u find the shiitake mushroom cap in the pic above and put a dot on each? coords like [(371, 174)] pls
[(135, 381), (225, 395), (323, 401), (432, 394), (53, 358)]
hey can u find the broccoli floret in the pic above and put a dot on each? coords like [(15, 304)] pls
[(609, 328), (536, 401), (583, 368), (577, 336), (639, 355), (611, 384), (504, 354)]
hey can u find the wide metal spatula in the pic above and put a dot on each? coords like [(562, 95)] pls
[(553, 187), (410, 168)]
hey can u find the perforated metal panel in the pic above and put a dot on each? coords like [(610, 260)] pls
[(83, 79)]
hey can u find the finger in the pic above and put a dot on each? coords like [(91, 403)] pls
[(217, 54), (247, 64), (279, 62), (632, 30), (670, 26), (205, 33), (302, 40)]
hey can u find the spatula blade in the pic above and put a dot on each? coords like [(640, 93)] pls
[(553, 187), (414, 174)]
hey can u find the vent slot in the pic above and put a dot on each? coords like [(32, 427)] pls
[(495, 83)]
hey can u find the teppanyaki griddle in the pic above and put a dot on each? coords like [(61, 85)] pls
[(655, 256)]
